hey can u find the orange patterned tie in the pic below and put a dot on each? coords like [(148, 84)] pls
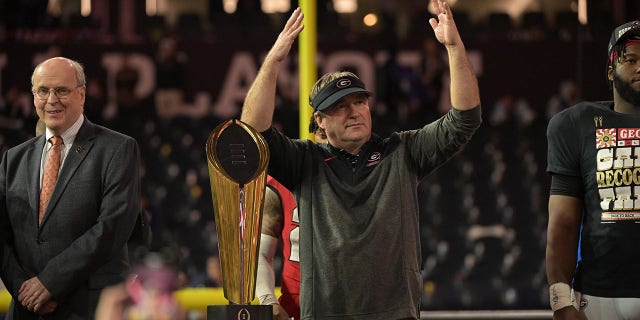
[(50, 174)]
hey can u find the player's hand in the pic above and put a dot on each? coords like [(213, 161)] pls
[(568, 313), (279, 313), (287, 36)]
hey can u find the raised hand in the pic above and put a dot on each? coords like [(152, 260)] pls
[(287, 36), (257, 110), (444, 27)]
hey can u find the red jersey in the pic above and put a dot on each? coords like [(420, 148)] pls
[(290, 287)]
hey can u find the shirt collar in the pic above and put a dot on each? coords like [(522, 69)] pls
[(375, 139), (70, 134)]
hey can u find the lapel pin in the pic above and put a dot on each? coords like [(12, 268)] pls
[(79, 149)]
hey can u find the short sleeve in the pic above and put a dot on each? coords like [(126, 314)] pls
[(563, 153)]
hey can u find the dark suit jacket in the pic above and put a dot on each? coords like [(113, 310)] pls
[(80, 247)]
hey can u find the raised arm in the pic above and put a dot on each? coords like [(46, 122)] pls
[(464, 85), (257, 110)]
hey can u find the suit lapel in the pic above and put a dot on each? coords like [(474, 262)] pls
[(78, 152), (33, 169)]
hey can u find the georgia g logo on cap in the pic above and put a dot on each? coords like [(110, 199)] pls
[(335, 90), (343, 83)]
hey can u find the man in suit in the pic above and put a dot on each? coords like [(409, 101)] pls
[(63, 231)]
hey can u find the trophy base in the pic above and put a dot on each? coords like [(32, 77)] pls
[(240, 312)]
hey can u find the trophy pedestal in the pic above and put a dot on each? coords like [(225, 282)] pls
[(240, 312)]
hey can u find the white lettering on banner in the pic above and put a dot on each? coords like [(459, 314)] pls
[(114, 62), (243, 70), (146, 74), (357, 61), (111, 62), (240, 74)]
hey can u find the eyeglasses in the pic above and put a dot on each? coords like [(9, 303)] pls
[(60, 92)]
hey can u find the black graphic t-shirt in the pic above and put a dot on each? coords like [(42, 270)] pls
[(602, 147)]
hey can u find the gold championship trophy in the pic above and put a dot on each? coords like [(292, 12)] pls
[(237, 157)]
